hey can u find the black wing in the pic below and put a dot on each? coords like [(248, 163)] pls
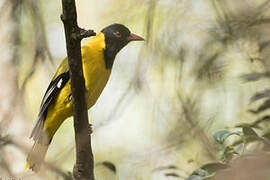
[(52, 91)]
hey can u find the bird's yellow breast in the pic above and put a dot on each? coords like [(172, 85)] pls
[(94, 68), (96, 76)]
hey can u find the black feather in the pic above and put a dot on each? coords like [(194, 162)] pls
[(114, 43), (52, 91)]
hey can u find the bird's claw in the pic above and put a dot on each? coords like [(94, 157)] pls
[(90, 129)]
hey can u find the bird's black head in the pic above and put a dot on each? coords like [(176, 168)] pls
[(117, 36)]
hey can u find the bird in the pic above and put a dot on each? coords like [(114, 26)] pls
[(98, 57)]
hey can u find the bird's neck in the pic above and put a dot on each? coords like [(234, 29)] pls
[(99, 42), (109, 55), (110, 51)]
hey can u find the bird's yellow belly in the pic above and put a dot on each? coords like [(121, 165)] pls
[(95, 86), (96, 79)]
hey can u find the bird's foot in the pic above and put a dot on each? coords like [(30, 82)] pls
[(90, 129)]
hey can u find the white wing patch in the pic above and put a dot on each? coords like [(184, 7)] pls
[(59, 84)]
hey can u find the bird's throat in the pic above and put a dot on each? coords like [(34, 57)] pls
[(109, 56)]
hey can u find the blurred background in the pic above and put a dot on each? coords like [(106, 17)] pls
[(195, 93)]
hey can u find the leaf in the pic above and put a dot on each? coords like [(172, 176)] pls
[(257, 122), (172, 175), (237, 142), (252, 125), (228, 153), (213, 167), (200, 177), (266, 135), (262, 107), (165, 167), (255, 76), (172, 167), (200, 172), (109, 165), (222, 135), (241, 125), (248, 131), (194, 177), (266, 138), (250, 135), (260, 95)]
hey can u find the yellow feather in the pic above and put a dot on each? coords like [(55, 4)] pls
[(96, 76), (27, 165)]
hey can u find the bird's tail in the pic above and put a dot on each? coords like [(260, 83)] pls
[(36, 155)]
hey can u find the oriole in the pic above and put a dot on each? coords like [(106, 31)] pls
[(98, 56)]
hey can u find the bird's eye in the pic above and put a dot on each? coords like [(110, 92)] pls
[(117, 34)]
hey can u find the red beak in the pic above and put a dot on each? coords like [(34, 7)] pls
[(134, 37)]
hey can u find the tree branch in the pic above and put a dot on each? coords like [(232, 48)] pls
[(83, 168)]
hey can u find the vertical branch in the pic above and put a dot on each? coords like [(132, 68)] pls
[(15, 15), (83, 168)]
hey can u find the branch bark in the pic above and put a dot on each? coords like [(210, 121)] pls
[(83, 168)]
